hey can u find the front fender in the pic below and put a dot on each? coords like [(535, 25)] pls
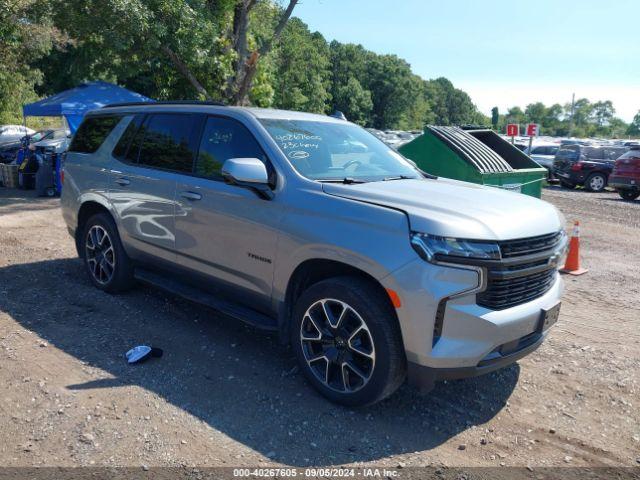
[(371, 238)]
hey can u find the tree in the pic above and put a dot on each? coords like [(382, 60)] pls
[(450, 106), (515, 115), (354, 101), (603, 112), (206, 43), (390, 81), (302, 65), (246, 62), (634, 127), (495, 117), (535, 112), (582, 111), (26, 35)]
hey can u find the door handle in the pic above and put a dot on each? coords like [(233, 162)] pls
[(191, 195), (122, 181)]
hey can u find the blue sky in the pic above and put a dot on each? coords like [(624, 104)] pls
[(501, 52)]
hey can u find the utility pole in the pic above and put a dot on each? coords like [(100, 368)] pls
[(573, 108)]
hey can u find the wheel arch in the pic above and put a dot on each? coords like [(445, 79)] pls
[(86, 211), (312, 271)]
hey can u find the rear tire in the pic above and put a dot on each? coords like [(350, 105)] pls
[(629, 194), (347, 341), (108, 266), (596, 182)]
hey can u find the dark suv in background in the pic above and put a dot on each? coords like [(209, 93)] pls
[(586, 165)]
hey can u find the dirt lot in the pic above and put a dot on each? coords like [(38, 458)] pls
[(226, 395)]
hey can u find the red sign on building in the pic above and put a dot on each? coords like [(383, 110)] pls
[(513, 130)]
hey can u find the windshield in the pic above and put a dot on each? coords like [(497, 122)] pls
[(41, 135), (327, 151)]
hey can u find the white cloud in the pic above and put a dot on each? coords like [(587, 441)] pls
[(625, 98)]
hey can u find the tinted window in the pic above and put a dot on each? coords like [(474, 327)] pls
[(613, 153), (166, 142), (92, 133), (568, 153), (223, 139), (593, 153), (630, 154), (120, 150)]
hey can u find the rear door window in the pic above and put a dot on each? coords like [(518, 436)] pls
[(568, 153), (222, 139), (92, 132), (167, 142), (593, 153)]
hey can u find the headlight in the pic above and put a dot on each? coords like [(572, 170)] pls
[(433, 248)]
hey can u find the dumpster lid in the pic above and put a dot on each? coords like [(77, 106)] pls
[(471, 149)]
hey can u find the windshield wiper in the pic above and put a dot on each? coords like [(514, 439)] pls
[(399, 177), (345, 180)]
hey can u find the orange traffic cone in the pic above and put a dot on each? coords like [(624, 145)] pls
[(572, 264)]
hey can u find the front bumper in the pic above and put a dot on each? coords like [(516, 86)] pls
[(470, 334), (424, 377)]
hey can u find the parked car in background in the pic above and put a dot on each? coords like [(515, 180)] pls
[(308, 225), (625, 177), (544, 155), (9, 133), (585, 165), (9, 150), (56, 142)]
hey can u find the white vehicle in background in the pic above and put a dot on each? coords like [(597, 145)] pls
[(543, 154), (10, 133)]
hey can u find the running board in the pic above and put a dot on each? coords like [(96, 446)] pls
[(193, 294)]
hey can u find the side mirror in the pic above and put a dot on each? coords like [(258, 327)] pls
[(248, 173)]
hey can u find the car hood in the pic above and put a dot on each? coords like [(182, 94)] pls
[(458, 209), (53, 142), (10, 144)]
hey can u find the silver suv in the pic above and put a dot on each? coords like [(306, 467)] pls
[(372, 270)]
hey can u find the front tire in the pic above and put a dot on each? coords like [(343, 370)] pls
[(347, 340), (107, 264)]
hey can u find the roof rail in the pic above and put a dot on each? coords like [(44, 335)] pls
[(168, 102)]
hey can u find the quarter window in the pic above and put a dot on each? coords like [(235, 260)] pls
[(92, 132), (120, 150), (167, 142), (222, 139)]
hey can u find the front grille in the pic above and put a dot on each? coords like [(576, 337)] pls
[(524, 274), (529, 246), (506, 293)]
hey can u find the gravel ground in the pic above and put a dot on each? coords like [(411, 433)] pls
[(225, 394)]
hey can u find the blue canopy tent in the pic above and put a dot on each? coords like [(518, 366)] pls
[(74, 103)]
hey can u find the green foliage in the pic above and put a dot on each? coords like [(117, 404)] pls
[(634, 127), (589, 119), (354, 101), (495, 117), (26, 34), (153, 46), (450, 105), (302, 65)]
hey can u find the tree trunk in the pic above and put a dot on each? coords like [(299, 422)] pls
[(184, 70), (245, 75)]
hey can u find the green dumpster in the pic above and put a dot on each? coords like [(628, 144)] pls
[(477, 156)]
